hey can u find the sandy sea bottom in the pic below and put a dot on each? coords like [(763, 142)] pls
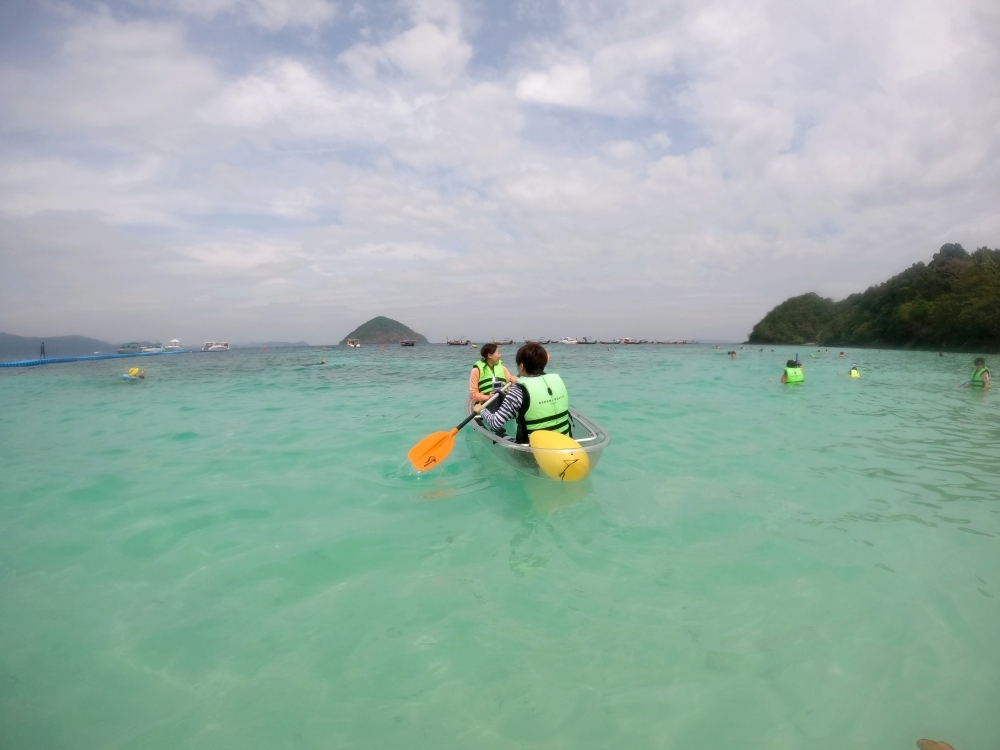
[(233, 554)]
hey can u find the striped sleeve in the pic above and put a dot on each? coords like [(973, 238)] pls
[(507, 411)]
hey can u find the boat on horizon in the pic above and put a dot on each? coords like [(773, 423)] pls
[(131, 347), (215, 346), (613, 341), (457, 342), (407, 342), (503, 342), (568, 340), (173, 346), (156, 348), (585, 340), (354, 343)]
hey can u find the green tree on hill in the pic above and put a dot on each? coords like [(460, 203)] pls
[(382, 330), (951, 302), (795, 321)]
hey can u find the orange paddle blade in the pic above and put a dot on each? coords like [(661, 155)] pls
[(432, 450)]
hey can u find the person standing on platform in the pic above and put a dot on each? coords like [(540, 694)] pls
[(43, 350)]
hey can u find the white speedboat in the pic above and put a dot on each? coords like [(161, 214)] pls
[(156, 348), (215, 346), (593, 439), (568, 340), (354, 343), (173, 346)]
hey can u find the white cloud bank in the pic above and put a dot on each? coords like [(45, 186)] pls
[(660, 169)]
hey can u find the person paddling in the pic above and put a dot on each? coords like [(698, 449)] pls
[(980, 375), (538, 400), (793, 373), (488, 374)]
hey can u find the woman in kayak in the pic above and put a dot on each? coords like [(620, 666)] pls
[(488, 374), (537, 401)]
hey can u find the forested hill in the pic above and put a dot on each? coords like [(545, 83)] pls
[(952, 302), (382, 330)]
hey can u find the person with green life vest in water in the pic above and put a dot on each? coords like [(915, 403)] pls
[(538, 401), (793, 373), (488, 374), (980, 375)]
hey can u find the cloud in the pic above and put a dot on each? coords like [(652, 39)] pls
[(680, 165), (432, 51), (109, 75), (567, 84), (269, 14)]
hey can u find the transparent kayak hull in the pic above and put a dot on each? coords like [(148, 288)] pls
[(593, 439)]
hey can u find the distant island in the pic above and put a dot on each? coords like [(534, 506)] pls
[(382, 330), (27, 347), (952, 302)]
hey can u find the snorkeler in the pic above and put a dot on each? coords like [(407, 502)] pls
[(793, 373), (980, 376)]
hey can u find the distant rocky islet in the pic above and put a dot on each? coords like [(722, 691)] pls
[(383, 330)]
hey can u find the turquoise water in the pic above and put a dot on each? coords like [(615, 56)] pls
[(234, 554)]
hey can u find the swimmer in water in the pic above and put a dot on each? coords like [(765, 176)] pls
[(980, 376), (841, 355), (854, 372), (732, 355), (793, 373)]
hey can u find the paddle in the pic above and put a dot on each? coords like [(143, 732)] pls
[(435, 448)]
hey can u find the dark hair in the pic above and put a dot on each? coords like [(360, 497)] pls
[(534, 358), (791, 363), (980, 361), (487, 350)]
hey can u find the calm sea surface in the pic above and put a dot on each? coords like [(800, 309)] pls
[(234, 554)]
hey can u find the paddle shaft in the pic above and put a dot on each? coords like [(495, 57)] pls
[(472, 416), (434, 448)]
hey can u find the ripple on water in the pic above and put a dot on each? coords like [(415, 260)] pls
[(239, 543)]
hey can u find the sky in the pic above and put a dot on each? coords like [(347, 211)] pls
[(251, 170)]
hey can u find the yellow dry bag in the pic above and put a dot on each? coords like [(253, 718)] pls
[(559, 456)]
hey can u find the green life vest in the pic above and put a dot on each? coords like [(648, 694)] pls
[(548, 406), (794, 375), (486, 375), (977, 377)]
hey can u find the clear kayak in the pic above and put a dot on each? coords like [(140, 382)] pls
[(540, 462)]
